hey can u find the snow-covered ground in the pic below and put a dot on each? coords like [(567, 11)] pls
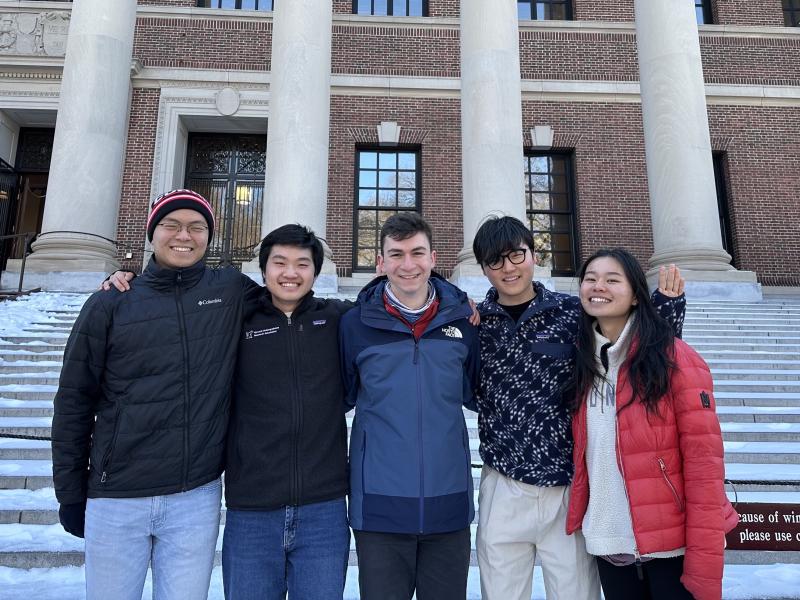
[(742, 582)]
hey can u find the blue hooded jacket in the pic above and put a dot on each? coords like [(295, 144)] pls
[(409, 447)]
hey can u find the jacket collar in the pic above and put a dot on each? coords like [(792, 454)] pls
[(160, 277), (543, 299), (305, 303), (453, 305)]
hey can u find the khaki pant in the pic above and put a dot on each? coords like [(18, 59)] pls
[(518, 521)]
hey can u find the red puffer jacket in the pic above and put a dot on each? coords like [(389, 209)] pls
[(673, 469)]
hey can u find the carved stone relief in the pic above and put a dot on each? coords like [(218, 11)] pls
[(34, 34)]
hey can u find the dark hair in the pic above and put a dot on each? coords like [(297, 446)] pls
[(299, 236), (498, 235), (649, 359), (404, 225)]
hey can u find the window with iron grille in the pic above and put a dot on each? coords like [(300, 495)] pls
[(387, 182), (265, 5), (791, 13), (545, 10), (550, 206), (702, 10), (396, 8)]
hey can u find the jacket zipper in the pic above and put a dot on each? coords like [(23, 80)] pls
[(675, 495), (110, 452), (297, 413), (185, 347), (636, 555), (419, 433)]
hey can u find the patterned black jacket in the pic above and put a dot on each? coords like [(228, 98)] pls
[(523, 420)]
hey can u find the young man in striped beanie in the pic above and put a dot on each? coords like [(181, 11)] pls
[(142, 409)]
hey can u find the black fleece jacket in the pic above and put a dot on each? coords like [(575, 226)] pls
[(287, 442), (143, 400)]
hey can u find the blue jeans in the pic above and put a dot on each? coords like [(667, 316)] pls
[(302, 549), (176, 534)]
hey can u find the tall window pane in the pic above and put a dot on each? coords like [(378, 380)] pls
[(265, 5), (791, 13), (550, 210), (545, 10), (396, 8), (387, 182), (702, 9)]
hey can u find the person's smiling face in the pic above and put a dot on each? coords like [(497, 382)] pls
[(180, 239), (289, 275), (408, 264)]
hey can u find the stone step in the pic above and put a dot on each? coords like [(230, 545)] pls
[(726, 398), (744, 347), (30, 349), (758, 414), (30, 338), (750, 385), (23, 367), (10, 356), (760, 374), (44, 378), (28, 392), (731, 354), (770, 452)]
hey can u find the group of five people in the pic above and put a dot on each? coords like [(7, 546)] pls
[(191, 371)]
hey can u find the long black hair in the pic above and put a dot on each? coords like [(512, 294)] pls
[(649, 359)]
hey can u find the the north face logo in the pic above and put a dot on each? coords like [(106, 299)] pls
[(453, 332)]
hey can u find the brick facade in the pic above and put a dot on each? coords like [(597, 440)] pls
[(137, 176), (436, 122), (761, 145), (748, 12)]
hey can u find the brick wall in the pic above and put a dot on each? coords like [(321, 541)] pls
[(610, 171), (395, 51), (748, 12), (204, 43), (748, 61), (137, 176), (435, 122), (576, 56), (592, 10), (762, 148)]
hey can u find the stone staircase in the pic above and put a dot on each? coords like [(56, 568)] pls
[(752, 349)]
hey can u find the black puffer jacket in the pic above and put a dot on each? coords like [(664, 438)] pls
[(143, 401), (287, 443)]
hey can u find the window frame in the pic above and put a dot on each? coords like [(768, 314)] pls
[(571, 212), (238, 6), (707, 12), (403, 148), (390, 8), (791, 13), (569, 13)]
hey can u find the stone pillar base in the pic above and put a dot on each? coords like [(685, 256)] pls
[(59, 275), (730, 286), (327, 281)]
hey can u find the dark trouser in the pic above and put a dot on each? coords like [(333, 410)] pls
[(660, 580), (392, 565)]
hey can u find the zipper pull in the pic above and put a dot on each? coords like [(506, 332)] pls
[(289, 319), (639, 572), (103, 477), (662, 465), (416, 351)]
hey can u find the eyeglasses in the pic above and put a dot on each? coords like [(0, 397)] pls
[(192, 228), (515, 257)]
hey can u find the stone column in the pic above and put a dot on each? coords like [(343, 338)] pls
[(299, 120), (74, 251), (680, 170), (491, 125)]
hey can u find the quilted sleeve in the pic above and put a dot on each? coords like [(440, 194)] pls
[(703, 467), (79, 390)]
